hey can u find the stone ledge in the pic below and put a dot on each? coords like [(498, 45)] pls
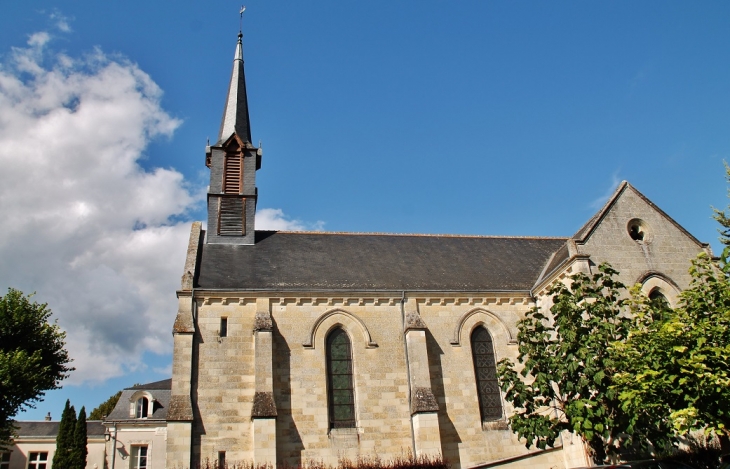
[(263, 322), (423, 400), (183, 323), (414, 322), (263, 405), (180, 409), (495, 425)]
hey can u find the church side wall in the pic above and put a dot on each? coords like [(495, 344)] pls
[(224, 381), (465, 440), (380, 382)]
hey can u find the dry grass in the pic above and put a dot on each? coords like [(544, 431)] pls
[(405, 461)]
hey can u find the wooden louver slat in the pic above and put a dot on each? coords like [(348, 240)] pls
[(232, 174), (231, 216)]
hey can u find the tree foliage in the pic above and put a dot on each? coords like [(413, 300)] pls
[(566, 380), (62, 458), (71, 450), (722, 216), (79, 450), (678, 362), (105, 408), (32, 356)]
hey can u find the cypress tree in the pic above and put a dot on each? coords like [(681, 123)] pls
[(65, 438), (79, 452)]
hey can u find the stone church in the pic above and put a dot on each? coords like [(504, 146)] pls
[(292, 347)]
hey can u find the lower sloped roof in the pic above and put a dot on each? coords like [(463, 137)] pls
[(49, 429), (364, 262)]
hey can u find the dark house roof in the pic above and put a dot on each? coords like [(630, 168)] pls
[(369, 262), (46, 429), (160, 391), (163, 384)]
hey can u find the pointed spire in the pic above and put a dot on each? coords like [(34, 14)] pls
[(235, 113)]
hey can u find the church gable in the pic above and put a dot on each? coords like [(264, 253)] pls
[(636, 237)]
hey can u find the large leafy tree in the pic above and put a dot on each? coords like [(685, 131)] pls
[(32, 356), (105, 408), (678, 362), (565, 382)]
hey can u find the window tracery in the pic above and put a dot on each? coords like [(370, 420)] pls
[(485, 369), (339, 380)]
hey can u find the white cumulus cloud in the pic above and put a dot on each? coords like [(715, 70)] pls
[(96, 235), (84, 224), (275, 219)]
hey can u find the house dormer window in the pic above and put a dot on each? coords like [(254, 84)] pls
[(143, 406)]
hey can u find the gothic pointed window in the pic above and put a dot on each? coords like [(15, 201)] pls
[(339, 380), (485, 368)]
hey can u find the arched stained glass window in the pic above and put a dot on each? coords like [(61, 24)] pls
[(339, 380), (485, 368)]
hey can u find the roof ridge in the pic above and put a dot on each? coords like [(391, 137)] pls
[(424, 235)]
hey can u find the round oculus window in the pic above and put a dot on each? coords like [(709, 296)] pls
[(638, 230)]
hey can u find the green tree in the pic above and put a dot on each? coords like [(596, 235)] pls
[(567, 365), (79, 451), (105, 408), (32, 356), (62, 458), (678, 362), (722, 217)]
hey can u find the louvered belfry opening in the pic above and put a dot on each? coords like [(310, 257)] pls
[(485, 368), (231, 216), (232, 209), (233, 172)]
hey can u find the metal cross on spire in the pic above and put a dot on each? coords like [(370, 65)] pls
[(240, 20)]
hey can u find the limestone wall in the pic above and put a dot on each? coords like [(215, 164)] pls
[(224, 381)]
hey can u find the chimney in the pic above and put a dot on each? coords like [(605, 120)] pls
[(48, 417)]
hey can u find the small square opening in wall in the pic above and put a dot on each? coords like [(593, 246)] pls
[(224, 327)]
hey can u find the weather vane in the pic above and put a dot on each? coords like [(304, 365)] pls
[(240, 20)]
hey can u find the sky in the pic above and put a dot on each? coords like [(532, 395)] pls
[(470, 117)]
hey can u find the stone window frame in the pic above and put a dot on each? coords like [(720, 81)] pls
[(332, 424), (503, 335), (135, 456), (4, 459), (657, 282), (134, 403)]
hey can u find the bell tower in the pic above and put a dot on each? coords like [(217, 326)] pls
[(233, 162)]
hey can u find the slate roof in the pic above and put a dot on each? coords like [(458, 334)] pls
[(163, 384), (46, 429), (160, 391), (307, 261), (561, 255)]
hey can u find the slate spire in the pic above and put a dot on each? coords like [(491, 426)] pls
[(235, 113)]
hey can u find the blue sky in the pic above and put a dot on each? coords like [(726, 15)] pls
[(470, 117)]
